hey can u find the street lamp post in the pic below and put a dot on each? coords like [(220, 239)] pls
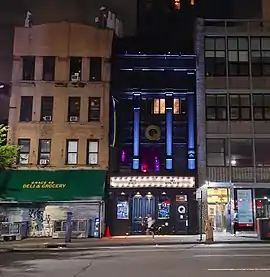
[(200, 200)]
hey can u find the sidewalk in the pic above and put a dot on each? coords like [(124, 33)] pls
[(39, 244)]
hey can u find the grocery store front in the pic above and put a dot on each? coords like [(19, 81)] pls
[(35, 203)]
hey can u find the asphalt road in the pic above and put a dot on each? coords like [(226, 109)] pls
[(144, 261)]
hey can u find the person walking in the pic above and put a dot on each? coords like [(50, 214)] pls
[(150, 226), (235, 222)]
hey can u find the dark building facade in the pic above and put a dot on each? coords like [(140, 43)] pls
[(153, 159)]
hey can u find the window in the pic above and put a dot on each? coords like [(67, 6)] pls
[(238, 56), (95, 69), (46, 108), (260, 56), (215, 56), (24, 151), (26, 108), (75, 68), (179, 106), (216, 153), (44, 153), (261, 106), (48, 68), (159, 106), (74, 106), (240, 107), (177, 4), (92, 152), (29, 68), (72, 152), (262, 157), (94, 109), (216, 107), (241, 152)]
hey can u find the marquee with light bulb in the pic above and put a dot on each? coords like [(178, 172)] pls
[(152, 182)]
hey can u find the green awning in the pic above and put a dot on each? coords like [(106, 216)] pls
[(47, 185)]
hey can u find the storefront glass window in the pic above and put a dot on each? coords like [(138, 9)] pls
[(164, 209), (122, 210), (245, 211)]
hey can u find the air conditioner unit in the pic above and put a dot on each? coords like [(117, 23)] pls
[(43, 162), (75, 77), (47, 118), (73, 118)]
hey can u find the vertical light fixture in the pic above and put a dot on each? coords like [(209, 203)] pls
[(114, 121), (157, 164), (191, 133), (136, 131), (169, 139)]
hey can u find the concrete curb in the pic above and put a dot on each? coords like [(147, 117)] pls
[(74, 248)]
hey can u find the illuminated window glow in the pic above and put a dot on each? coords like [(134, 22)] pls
[(176, 106), (177, 4), (159, 106)]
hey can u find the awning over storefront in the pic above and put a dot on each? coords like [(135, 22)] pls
[(47, 185)]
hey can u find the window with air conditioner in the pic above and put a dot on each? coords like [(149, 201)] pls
[(24, 151), (92, 152), (48, 68), (26, 108), (75, 68), (28, 73), (74, 107), (44, 153), (94, 109), (72, 152), (46, 112)]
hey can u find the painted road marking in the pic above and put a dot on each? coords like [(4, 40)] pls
[(238, 269), (231, 255)]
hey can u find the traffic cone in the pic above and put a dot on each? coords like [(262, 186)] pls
[(107, 232)]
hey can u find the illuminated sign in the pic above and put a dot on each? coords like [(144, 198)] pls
[(245, 212), (153, 133), (43, 185), (152, 181)]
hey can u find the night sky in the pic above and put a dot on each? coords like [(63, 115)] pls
[(12, 12)]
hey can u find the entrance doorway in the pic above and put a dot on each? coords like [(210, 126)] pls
[(218, 199), (217, 215), (142, 206)]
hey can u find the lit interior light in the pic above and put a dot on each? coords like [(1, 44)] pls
[(123, 156), (144, 167), (233, 162), (157, 165)]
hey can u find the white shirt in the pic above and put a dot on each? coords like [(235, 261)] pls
[(150, 222)]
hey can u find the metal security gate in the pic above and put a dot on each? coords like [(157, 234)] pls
[(142, 206)]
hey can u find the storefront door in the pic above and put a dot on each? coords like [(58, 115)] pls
[(142, 207), (217, 215)]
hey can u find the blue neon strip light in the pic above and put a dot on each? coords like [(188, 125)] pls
[(191, 164), (136, 138), (168, 163), (136, 164), (136, 129), (191, 133), (169, 131)]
